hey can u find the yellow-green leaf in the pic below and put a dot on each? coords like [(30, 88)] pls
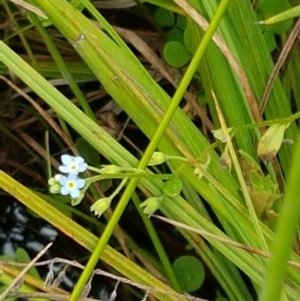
[(263, 193), (288, 14), (271, 141)]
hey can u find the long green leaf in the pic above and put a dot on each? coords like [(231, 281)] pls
[(81, 235)]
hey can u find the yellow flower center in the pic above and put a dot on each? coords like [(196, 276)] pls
[(73, 166), (71, 185)]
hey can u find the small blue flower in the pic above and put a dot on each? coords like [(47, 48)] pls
[(71, 185), (72, 165)]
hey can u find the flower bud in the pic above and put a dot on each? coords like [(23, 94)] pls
[(101, 206), (55, 188), (54, 184), (271, 141), (152, 204), (219, 134), (157, 158), (110, 169)]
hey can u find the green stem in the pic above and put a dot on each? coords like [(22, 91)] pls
[(130, 176), (149, 151), (119, 188), (287, 223), (157, 245)]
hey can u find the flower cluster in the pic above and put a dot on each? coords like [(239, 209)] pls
[(69, 183)]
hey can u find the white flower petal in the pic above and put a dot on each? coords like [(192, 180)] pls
[(63, 180), (64, 190), (57, 177), (74, 193), (79, 160), (72, 177), (63, 169), (80, 183), (66, 159), (82, 167)]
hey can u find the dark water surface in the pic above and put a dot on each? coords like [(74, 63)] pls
[(20, 229)]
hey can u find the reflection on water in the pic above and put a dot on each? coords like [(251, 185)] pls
[(19, 229)]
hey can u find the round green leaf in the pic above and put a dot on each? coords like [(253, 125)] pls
[(175, 34), (172, 187), (189, 272), (270, 40), (176, 54), (164, 17), (189, 39), (181, 22)]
